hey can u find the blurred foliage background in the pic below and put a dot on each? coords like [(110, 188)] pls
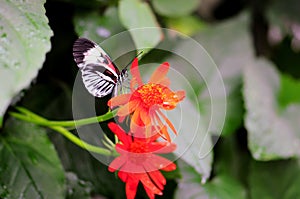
[(255, 45)]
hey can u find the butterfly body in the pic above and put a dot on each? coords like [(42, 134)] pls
[(100, 75)]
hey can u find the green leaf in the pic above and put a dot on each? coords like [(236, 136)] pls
[(138, 18), (108, 32), (217, 86), (188, 25), (273, 132), (97, 27), (193, 142), (287, 94), (94, 171), (175, 8), (24, 41), (29, 167), (220, 187), (232, 157), (275, 180)]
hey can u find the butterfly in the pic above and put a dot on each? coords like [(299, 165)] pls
[(100, 75)]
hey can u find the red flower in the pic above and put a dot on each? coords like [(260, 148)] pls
[(138, 162), (145, 101)]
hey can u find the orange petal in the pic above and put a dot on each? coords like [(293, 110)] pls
[(168, 121), (145, 116), (165, 82), (165, 133), (160, 73), (118, 100), (180, 95), (136, 121), (128, 108), (135, 72), (162, 130)]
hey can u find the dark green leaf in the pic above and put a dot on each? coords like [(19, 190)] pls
[(77, 188), (29, 165), (175, 8), (275, 180), (89, 169), (106, 31), (96, 27), (24, 41)]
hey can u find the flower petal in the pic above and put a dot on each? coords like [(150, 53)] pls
[(165, 82), (165, 133), (161, 129), (180, 95), (161, 147), (168, 121), (160, 73), (162, 163), (148, 184), (117, 163), (144, 114), (135, 72), (120, 133), (131, 187), (128, 108), (131, 167), (158, 179), (136, 121), (119, 100)]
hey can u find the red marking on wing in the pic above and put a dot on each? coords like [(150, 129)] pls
[(111, 65)]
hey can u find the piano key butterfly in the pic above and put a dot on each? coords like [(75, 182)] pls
[(100, 75)]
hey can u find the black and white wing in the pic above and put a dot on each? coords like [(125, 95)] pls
[(100, 75)]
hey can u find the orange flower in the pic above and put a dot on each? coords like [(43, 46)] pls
[(146, 101), (138, 162)]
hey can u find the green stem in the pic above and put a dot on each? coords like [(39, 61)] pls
[(81, 143), (29, 116), (72, 123)]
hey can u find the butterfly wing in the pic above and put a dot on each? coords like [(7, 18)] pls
[(100, 75)]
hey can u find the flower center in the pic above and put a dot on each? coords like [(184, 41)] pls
[(155, 94), (139, 152)]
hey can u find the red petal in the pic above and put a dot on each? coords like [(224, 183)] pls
[(163, 163), (123, 176), (158, 179), (131, 187), (133, 168), (150, 193), (119, 100), (135, 72), (117, 163), (147, 183), (162, 147), (120, 133), (160, 73)]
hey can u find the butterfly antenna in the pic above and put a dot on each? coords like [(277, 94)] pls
[(137, 56)]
